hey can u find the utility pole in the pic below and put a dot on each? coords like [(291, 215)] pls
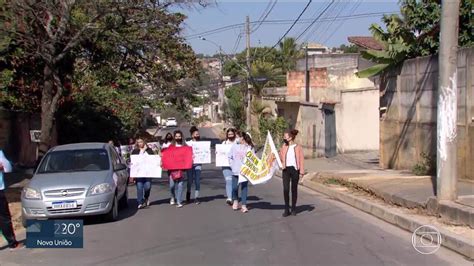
[(447, 102), (249, 86), (306, 76)]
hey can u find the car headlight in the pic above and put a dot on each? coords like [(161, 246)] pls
[(31, 193), (101, 188)]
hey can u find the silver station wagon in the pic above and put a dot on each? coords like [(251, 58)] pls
[(77, 180)]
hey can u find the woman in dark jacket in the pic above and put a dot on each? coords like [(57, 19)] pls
[(143, 184)]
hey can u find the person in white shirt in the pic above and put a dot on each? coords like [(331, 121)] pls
[(194, 174), (231, 139)]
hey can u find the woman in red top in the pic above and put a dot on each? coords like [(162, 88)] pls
[(292, 158)]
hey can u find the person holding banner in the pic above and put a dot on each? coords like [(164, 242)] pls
[(194, 174), (292, 158), (237, 155), (143, 184), (231, 139), (176, 175), (168, 141)]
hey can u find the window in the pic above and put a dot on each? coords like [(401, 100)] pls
[(75, 161)]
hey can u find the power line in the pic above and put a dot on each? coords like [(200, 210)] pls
[(264, 11), (265, 17), (286, 21), (316, 19), (359, 2), (292, 25), (337, 11)]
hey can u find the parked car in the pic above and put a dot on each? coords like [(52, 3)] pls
[(77, 180), (171, 122)]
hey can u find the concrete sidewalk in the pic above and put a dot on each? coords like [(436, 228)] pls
[(400, 188), (356, 180)]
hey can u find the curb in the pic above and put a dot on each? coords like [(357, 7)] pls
[(452, 241)]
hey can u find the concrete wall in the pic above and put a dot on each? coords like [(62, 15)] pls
[(307, 119), (15, 136), (408, 127), (357, 120)]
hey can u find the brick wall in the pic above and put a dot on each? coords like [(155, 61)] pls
[(296, 83)]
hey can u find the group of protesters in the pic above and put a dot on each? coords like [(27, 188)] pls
[(291, 156)]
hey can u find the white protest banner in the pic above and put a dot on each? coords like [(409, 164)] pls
[(145, 165), (201, 151), (222, 155), (258, 171)]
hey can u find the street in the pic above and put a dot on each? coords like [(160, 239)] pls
[(325, 232)]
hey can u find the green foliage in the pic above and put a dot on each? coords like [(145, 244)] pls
[(106, 55), (236, 106), (415, 33), (348, 49), (276, 127), (427, 166)]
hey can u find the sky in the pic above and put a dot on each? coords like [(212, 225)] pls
[(342, 19)]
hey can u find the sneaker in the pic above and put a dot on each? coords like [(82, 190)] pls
[(141, 206), (147, 202), (235, 206), (229, 202), (293, 212), (179, 205), (286, 213), (244, 209), (172, 202), (197, 202), (16, 246)]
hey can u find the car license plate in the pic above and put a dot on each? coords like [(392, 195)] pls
[(64, 205)]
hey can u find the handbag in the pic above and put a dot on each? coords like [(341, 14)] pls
[(176, 174)]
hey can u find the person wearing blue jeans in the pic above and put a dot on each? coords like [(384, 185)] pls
[(143, 184), (231, 138), (237, 156), (143, 191), (176, 189), (194, 174)]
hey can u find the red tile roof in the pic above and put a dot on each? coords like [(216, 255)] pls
[(366, 42)]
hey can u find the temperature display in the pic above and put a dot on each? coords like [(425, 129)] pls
[(55, 234)]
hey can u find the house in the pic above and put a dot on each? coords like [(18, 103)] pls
[(335, 111)]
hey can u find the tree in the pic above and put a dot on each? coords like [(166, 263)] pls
[(134, 45), (415, 33), (236, 106), (348, 49), (290, 51)]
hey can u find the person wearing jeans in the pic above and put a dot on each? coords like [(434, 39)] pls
[(143, 184), (176, 189), (231, 138), (194, 174), (292, 158), (6, 225), (237, 156)]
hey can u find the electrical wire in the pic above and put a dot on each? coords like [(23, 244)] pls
[(316, 19)]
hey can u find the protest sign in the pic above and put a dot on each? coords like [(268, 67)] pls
[(145, 165), (177, 158), (258, 171), (154, 146), (201, 151), (222, 155)]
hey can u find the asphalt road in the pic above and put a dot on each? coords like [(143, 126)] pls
[(325, 232)]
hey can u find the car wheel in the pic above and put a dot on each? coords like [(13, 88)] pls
[(112, 215), (123, 203)]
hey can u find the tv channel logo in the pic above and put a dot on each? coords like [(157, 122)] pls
[(426, 239)]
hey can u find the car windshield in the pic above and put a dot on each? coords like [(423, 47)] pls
[(75, 161)]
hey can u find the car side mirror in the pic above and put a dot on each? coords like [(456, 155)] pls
[(120, 167)]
